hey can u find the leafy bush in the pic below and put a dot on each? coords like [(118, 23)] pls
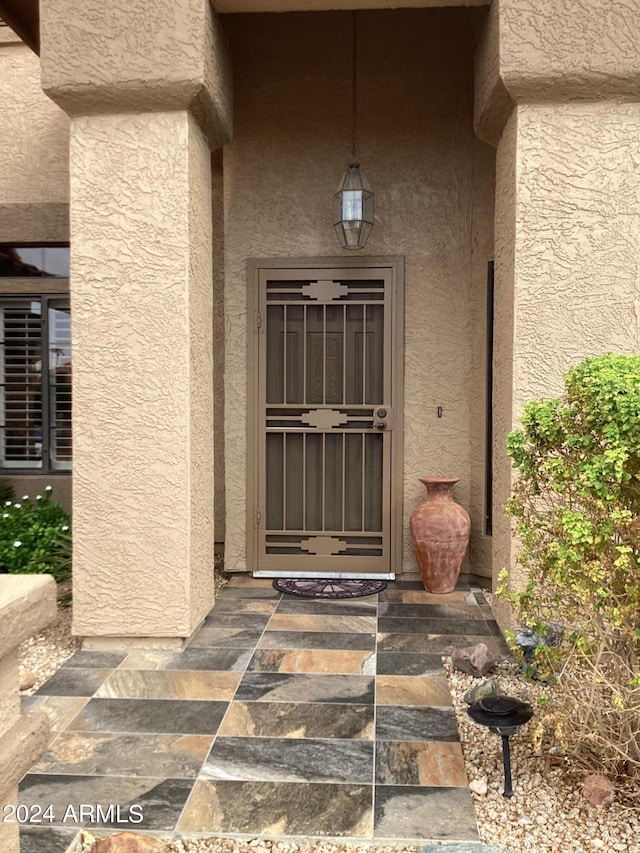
[(35, 537), (576, 503)]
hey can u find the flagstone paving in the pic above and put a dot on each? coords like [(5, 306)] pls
[(283, 717)]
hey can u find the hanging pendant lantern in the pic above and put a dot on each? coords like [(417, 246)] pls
[(353, 208), (353, 201)]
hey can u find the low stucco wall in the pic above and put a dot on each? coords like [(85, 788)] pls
[(27, 604), (433, 181)]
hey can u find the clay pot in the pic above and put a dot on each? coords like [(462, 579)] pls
[(440, 532)]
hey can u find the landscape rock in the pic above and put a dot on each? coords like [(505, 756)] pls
[(481, 691), (479, 787), (129, 842), (475, 660), (27, 679), (598, 790), (464, 847)]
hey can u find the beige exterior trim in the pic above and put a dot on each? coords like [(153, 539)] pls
[(395, 265)]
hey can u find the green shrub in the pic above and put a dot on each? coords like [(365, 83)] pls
[(35, 537), (576, 503)]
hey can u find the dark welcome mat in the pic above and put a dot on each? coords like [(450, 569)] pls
[(327, 588)]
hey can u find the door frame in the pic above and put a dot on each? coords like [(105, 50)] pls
[(394, 264)]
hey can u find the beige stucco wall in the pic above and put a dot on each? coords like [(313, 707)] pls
[(148, 88), (558, 90), (142, 309), (34, 167), (568, 231), (433, 184), (27, 604), (139, 57)]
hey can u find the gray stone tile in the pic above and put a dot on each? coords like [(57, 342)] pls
[(100, 754), (316, 640), (430, 611), (432, 644), (245, 606), (74, 681), (445, 814), (313, 661), (407, 723), (233, 592), (159, 716), (173, 684), (210, 636), (96, 660), (160, 801), (43, 839), (298, 720), (420, 763), (403, 663), (283, 687), (60, 709), (356, 607), (398, 625), (289, 760), (194, 658), (236, 621), (279, 808)]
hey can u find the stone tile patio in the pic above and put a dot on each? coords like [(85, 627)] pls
[(283, 717)]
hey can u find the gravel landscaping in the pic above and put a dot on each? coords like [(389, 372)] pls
[(42, 655), (546, 815)]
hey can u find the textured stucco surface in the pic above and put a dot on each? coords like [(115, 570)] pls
[(493, 103), (567, 236), (291, 144), (567, 49), (141, 302), (128, 56), (34, 133), (320, 5), (149, 90), (553, 52), (34, 167), (27, 604)]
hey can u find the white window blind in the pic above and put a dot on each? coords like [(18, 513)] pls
[(35, 384)]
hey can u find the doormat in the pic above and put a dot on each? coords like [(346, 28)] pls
[(323, 588)]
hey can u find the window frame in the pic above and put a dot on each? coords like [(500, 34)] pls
[(44, 298)]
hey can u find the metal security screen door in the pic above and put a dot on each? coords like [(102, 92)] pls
[(326, 430)]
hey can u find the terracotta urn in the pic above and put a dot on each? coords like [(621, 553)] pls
[(440, 531)]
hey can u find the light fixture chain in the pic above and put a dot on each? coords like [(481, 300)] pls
[(354, 86)]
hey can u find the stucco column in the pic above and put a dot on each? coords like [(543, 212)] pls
[(558, 92), (147, 87)]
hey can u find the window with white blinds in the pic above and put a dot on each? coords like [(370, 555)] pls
[(35, 383)]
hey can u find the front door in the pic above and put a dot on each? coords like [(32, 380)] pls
[(326, 433)]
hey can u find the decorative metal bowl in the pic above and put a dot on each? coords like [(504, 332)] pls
[(499, 705)]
